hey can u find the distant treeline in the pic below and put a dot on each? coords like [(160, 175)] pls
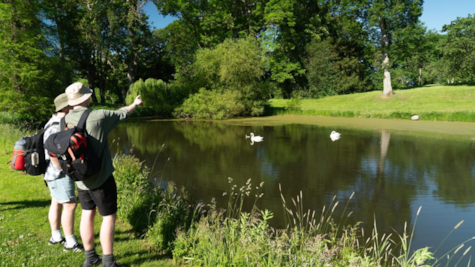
[(222, 58)]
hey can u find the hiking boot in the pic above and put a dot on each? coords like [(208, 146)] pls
[(52, 242), (76, 248), (96, 262)]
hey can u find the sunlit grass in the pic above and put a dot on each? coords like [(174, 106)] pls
[(443, 103)]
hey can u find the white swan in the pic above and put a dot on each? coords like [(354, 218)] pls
[(256, 138), (335, 136)]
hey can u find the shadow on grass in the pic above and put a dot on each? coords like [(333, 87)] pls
[(271, 111), (16, 205), (143, 257)]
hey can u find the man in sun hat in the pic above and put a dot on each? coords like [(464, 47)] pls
[(100, 189), (63, 197)]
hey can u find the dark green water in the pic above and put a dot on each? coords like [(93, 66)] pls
[(391, 173)]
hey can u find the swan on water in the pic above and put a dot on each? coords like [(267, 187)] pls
[(335, 136), (254, 138)]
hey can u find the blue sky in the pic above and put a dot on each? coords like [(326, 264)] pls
[(436, 13)]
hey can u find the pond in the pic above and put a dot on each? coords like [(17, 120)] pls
[(392, 167)]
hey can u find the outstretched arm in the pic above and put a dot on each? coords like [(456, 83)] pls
[(137, 102)]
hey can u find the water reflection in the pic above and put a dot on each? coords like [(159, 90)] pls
[(392, 174)]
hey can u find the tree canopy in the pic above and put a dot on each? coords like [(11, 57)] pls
[(232, 51)]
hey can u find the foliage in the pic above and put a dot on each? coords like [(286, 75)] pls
[(135, 193), (459, 49), (322, 73), (382, 19), (240, 238), (174, 212), (290, 26), (259, 48), (234, 72), (295, 103), (158, 96), (156, 213), (211, 105), (28, 82)]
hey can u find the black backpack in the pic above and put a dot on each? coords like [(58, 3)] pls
[(70, 147), (29, 154)]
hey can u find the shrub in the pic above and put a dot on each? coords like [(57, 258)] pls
[(211, 105), (295, 103), (135, 193), (175, 211), (157, 212), (159, 97)]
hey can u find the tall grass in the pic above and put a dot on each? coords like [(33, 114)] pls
[(205, 235), (155, 213)]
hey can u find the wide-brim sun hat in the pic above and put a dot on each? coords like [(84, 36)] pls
[(61, 102), (77, 93)]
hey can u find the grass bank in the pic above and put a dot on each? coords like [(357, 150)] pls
[(24, 227), (433, 103)]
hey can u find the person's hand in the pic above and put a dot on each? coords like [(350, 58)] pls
[(138, 101)]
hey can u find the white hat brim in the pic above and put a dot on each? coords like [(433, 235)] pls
[(80, 99)]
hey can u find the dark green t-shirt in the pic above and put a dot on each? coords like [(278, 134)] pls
[(98, 125)]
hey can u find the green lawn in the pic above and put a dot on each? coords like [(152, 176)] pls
[(24, 228), (451, 103)]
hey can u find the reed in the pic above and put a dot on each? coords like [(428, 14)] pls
[(200, 234)]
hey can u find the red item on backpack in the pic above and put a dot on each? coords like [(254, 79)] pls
[(18, 160)]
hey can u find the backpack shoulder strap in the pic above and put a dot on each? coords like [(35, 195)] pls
[(62, 124), (82, 120), (53, 123)]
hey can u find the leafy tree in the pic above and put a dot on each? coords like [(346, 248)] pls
[(382, 18), (205, 24), (235, 65), (136, 27), (459, 48), (322, 73), (290, 26), (27, 79), (351, 43), (62, 15), (413, 49)]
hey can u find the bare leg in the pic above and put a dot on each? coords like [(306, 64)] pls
[(107, 234), (87, 228), (54, 214), (67, 218)]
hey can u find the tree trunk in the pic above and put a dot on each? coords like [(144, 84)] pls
[(59, 23), (420, 76), (387, 87), (91, 70), (133, 13)]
